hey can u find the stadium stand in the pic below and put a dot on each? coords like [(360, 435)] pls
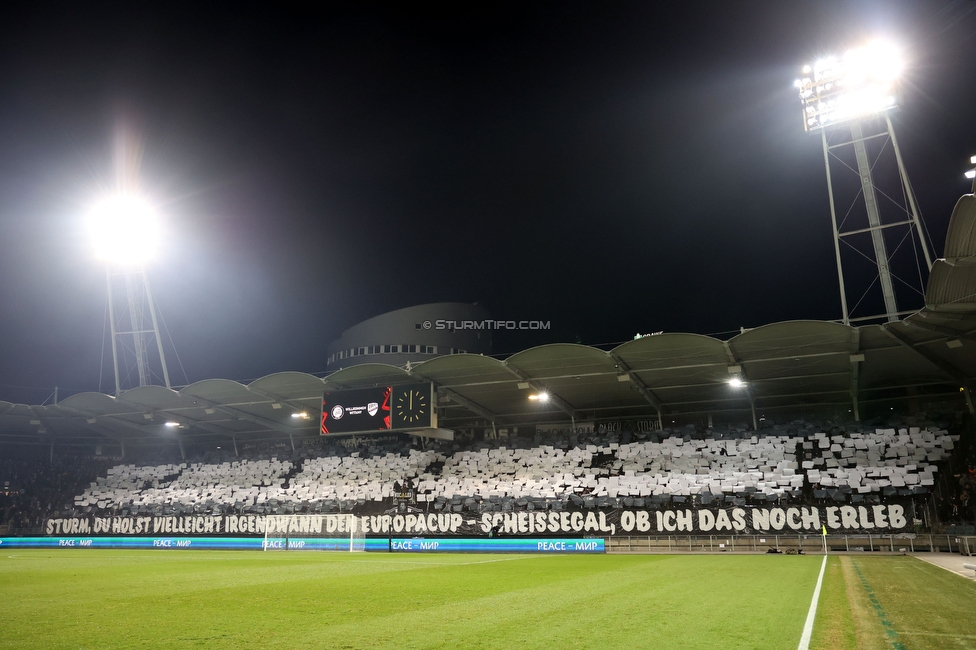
[(783, 463), (31, 489)]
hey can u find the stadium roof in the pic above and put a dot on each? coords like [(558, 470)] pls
[(786, 366)]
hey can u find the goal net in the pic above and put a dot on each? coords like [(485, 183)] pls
[(313, 532)]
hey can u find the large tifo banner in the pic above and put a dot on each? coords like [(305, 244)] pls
[(887, 518)]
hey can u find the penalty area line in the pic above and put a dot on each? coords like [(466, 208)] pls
[(812, 614)]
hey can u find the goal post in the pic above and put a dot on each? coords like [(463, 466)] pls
[(313, 533)]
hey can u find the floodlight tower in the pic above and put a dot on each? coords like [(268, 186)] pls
[(848, 99), (125, 231)]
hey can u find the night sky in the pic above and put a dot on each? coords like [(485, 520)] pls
[(609, 167)]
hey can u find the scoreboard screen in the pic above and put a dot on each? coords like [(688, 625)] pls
[(353, 411), (383, 408)]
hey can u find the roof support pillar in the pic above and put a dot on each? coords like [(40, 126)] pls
[(234, 438), (642, 388), (474, 407), (91, 423), (560, 403), (122, 447), (952, 334), (968, 394), (936, 361), (752, 407), (556, 400), (735, 363), (856, 359), (179, 439)]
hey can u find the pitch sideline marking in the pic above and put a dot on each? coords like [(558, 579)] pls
[(812, 613)]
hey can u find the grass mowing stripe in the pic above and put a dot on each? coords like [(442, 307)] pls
[(812, 613), (834, 628), (139, 599), (888, 627)]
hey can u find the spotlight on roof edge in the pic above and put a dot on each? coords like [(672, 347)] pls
[(541, 397), (124, 230), (858, 83), (172, 424), (303, 415), (736, 382)]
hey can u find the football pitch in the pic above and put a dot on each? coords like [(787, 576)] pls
[(76, 598)]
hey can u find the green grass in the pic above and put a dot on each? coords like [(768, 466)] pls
[(893, 602), (178, 599), (926, 606), (834, 627), (211, 599)]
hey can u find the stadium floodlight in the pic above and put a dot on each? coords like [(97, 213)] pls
[(125, 233), (848, 99), (303, 415), (541, 397), (736, 382), (971, 173), (172, 424), (124, 230), (863, 81), (972, 160)]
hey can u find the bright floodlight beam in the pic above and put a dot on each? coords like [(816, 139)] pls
[(124, 230), (736, 382), (861, 82), (540, 397), (125, 233)]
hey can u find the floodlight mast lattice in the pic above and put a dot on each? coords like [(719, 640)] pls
[(853, 95), (124, 231)]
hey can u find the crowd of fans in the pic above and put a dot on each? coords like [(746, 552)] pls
[(33, 489), (789, 462)]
